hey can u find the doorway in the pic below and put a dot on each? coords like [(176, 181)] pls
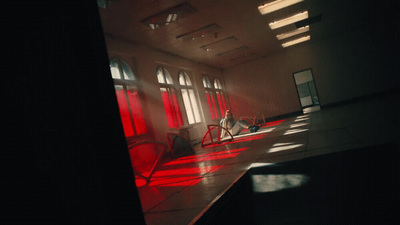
[(307, 91)]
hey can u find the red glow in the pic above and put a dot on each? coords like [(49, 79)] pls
[(220, 104), (137, 111), (274, 123), (124, 112), (186, 176), (223, 101), (207, 158), (186, 171), (215, 107), (173, 113), (143, 158), (210, 106), (176, 181), (177, 110), (169, 181), (238, 140), (212, 153)]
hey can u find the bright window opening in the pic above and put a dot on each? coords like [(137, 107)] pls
[(215, 97), (220, 96), (130, 106), (170, 101), (189, 99)]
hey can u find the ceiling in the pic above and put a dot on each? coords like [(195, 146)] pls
[(237, 33)]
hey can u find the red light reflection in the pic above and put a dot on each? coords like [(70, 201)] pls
[(274, 123), (207, 157), (176, 181), (238, 140), (184, 175)]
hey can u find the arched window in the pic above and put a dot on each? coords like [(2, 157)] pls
[(168, 95), (220, 96), (130, 106), (189, 99), (210, 98)]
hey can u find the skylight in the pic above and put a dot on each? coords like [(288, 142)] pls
[(168, 16), (276, 5), (293, 32), (289, 20), (296, 41)]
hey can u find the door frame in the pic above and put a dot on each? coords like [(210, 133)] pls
[(297, 90)]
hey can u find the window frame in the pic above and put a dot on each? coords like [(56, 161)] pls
[(171, 90), (211, 96), (128, 84), (220, 96), (188, 87)]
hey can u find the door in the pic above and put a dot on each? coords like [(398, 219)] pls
[(306, 89)]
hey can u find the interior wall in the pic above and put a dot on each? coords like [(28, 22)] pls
[(346, 66), (144, 62)]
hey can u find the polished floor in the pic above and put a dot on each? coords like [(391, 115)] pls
[(182, 190)]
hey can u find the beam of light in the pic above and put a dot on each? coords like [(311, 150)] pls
[(255, 165), (283, 148), (298, 125), (303, 116), (301, 119), (294, 131), (282, 144), (263, 183), (258, 132)]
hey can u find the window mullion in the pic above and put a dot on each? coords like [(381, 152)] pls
[(191, 104), (130, 109)]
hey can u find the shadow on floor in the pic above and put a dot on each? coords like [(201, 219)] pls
[(360, 186), (354, 187)]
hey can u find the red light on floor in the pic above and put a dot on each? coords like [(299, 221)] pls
[(184, 175), (185, 171), (238, 140), (206, 157), (139, 181), (176, 181), (273, 123)]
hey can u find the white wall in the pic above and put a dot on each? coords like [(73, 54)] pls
[(345, 66), (144, 61)]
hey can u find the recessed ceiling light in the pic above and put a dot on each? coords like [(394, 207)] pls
[(289, 20), (296, 41), (199, 33), (276, 5), (168, 16), (293, 32)]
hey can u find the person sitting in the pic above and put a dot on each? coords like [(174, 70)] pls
[(228, 122)]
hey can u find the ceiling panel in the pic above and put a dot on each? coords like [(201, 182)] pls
[(239, 24)]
